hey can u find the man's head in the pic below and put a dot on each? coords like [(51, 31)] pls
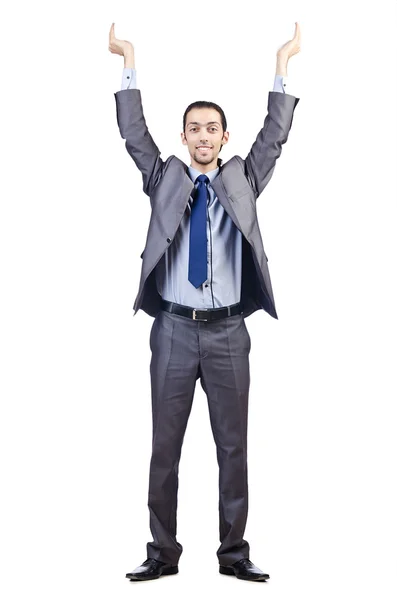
[(204, 124)]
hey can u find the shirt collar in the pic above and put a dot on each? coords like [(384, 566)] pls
[(194, 173)]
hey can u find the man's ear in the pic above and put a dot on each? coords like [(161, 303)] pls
[(183, 138), (225, 138)]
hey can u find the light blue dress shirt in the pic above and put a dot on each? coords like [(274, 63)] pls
[(224, 248)]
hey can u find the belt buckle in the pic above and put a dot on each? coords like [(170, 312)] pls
[(194, 314)]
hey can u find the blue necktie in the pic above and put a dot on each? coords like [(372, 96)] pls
[(198, 234)]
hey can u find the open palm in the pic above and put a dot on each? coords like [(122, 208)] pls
[(118, 46), (292, 46)]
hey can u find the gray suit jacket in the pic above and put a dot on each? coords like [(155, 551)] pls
[(237, 186)]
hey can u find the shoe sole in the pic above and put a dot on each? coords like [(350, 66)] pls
[(230, 571), (167, 571)]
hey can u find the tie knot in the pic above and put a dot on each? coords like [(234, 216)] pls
[(202, 178)]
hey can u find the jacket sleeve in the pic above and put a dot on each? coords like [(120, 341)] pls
[(138, 141), (261, 159)]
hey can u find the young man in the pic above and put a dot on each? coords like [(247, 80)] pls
[(204, 271)]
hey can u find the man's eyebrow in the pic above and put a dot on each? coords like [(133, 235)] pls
[(197, 123)]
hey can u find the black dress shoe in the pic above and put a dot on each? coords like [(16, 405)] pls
[(152, 569), (244, 569)]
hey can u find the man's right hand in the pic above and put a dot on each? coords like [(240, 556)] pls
[(121, 47)]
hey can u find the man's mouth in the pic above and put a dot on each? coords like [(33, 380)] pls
[(204, 148)]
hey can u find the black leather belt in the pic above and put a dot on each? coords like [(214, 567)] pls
[(202, 314)]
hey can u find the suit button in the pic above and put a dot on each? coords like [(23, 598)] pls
[(168, 240)]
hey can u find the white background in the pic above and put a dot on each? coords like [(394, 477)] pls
[(75, 399)]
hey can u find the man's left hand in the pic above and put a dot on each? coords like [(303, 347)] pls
[(292, 46)]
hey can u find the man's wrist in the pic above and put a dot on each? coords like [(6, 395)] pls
[(129, 60), (281, 66)]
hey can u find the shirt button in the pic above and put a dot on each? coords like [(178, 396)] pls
[(206, 285), (168, 240)]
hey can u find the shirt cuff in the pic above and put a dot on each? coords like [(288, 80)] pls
[(128, 81), (280, 84)]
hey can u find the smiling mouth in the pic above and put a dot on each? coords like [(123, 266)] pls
[(203, 149)]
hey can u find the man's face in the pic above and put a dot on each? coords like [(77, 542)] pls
[(204, 137)]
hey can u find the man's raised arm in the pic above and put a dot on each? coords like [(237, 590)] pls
[(261, 159), (131, 121)]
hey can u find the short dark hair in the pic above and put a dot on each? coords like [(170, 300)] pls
[(206, 104)]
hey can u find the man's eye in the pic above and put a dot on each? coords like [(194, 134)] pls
[(193, 128)]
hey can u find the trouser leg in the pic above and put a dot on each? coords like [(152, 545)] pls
[(174, 371), (225, 378)]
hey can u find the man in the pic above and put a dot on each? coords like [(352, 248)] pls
[(204, 271)]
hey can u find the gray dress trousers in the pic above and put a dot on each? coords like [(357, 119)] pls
[(217, 352)]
